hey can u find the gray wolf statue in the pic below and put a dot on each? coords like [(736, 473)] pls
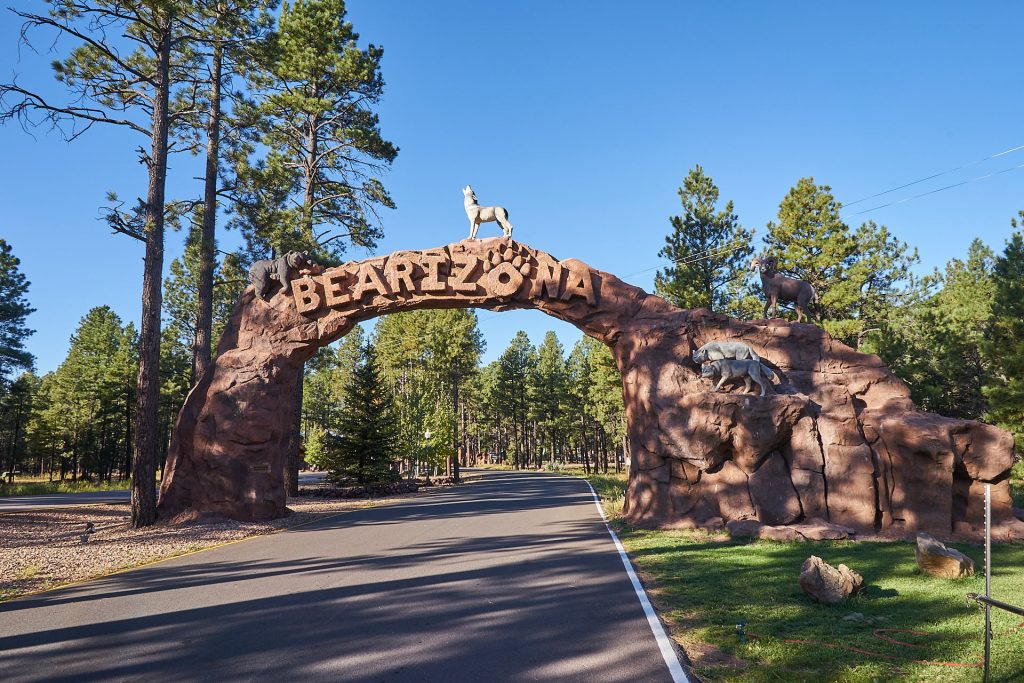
[(483, 214), (720, 350), (781, 288), (746, 370), (283, 269)]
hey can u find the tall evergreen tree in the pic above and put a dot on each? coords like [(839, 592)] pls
[(183, 292), (429, 357), (323, 398), (1004, 339), (549, 394), (935, 343), (516, 367), (607, 404), (583, 424), (368, 441), (708, 250), (89, 403), (313, 91), (14, 309), (225, 31), (488, 423), (15, 412), (127, 69), (858, 276)]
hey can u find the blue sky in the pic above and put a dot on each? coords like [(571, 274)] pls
[(582, 118)]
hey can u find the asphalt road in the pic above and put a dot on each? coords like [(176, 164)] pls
[(64, 500), (510, 578)]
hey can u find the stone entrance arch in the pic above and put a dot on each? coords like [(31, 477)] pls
[(841, 441)]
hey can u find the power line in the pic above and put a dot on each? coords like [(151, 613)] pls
[(941, 189), (936, 175), (718, 251)]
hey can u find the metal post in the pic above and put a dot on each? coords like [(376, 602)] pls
[(988, 577)]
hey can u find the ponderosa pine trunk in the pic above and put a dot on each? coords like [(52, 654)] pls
[(291, 475), (201, 354), (456, 441), (147, 399)]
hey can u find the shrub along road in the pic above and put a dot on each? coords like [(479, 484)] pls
[(510, 577)]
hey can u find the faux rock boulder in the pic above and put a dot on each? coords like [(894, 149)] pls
[(827, 584), (839, 441), (936, 559), (809, 530)]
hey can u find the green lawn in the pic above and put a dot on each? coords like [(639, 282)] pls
[(43, 487), (704, 584)]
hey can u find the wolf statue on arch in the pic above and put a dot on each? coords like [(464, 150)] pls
[(838, 441)]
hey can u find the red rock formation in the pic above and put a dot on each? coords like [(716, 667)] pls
[(840, 441)]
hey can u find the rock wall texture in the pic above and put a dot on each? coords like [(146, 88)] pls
[(840, 441)]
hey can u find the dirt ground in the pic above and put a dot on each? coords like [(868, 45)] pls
[(44, 549)]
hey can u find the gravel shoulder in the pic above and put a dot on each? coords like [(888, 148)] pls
[(42, 549)]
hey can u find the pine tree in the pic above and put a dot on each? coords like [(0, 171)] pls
[(429, 358), (584, 425), (311, 96), (328, 372), (708, 249), (516, 367), (15, 413), (367, 444), (89, 399), (489, 425), (313, 90), (858, 276), (129, 68), (935, 344), (226, 30), (607, 403), (548, 394), (1004, 341), (183, 293), (14, 309)]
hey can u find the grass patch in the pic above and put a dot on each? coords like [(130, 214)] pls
[(611, 489), (704, 585), (31, 571), (42, 488)]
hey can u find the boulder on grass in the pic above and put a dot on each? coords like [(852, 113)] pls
[(829, 584), (782, 534), (936, 559), (816, 529), (713, 525), (742, 528)]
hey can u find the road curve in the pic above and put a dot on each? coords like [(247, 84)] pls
[(512, 577)]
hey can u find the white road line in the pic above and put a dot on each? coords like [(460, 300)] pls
[(668, 652)]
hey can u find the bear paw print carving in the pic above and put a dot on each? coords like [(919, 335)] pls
[(513, 253)]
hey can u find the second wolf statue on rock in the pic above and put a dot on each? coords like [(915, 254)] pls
[(734, 360)]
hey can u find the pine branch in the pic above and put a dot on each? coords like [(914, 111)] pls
[(32, 102)]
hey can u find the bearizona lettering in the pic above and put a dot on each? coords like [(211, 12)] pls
[(501, 273)]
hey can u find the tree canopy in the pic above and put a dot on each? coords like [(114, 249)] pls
[(1003, 343), (14, 310), (859, 276), (708, 250)]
